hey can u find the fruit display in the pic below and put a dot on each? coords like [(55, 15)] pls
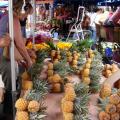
[(52, 75), (110, 105), (109, 70)]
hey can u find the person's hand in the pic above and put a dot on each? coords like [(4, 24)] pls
[(5, 41), (30, 63), (2, 91)]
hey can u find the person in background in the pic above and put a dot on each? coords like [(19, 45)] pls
[(114, 19), (94, 16), (23, 18), (21, 54)]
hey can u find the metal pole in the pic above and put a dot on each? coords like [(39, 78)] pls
[(33, 20), (12, 52)]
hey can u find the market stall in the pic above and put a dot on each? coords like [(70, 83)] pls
[(66, 81)]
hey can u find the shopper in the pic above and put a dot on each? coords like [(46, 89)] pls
[(94, 26), (21, 53), (23, 19)]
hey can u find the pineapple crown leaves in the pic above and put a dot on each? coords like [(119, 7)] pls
[(84, 45), (34, 95), (81, 89), (41, 86), (80, 108), (37, 116), (42, 55), (114, 90), (35, 70), (102, 103), (81, 117), (51, 45), (62, 68)]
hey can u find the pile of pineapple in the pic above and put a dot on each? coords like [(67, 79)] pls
[(72, 58), (109, 70), (110, 106), (75, 102), (55, 56), (27, 83), (54, 79), (85, 72), (24, 108), (68, 102)]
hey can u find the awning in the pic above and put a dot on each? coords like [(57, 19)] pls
[(3, 3)]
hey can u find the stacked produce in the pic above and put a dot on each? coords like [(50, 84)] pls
[(72, 58), (54, 79), (95, 71), (27, 84), (110, 107), (109, 70), (85, 73), (55, 56), (68, 102), (30, 107)]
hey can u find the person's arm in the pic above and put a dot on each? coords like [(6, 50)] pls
[(19, 42)]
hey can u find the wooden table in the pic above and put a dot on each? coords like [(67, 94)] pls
[(53, 104)]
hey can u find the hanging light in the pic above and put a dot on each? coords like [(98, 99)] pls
[(23, 10)]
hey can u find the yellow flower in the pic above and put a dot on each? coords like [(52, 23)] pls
[(29, 45), (64, 45)]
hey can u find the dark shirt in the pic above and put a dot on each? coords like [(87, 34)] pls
[(23, 22)]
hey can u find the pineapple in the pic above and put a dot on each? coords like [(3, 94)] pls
[(21, 104), (50, 79), (104, 116), (53, 53), (69, 54), (50, 66), (75, 62), (33, 106), (22, 115), (56, 61), (58, 57), (75, 66), (40, 89), (75, 57), (114, 99), (70, 95), (68, 116), (86, 80), (115, 116), (110, 108), (89, 60), (27, 85), (69, 59), (25, 76), (50, 73), (56, 88), (67, 106), (87, 65), (56, 78), (105, 91), (69, 85), (86, 72)]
